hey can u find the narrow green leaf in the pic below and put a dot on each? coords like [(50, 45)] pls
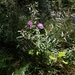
[(52, 58), (65, 62)]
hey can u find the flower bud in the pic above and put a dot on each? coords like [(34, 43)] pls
[(40, 25)]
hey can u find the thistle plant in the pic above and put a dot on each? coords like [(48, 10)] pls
[(45, 41)]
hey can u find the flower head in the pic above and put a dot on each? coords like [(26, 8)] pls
[(40, 25), (30, 23)]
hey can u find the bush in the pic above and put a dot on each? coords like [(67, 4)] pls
[(45, 45)]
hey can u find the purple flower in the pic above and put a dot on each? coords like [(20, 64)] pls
[(30, 23), (40, 25)]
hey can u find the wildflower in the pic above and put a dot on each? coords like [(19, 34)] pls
[(30, 23), (40, 25)]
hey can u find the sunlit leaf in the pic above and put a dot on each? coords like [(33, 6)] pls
[(31, 52), (65, 62), (62, 34), (37, 53), (52, 58), (61, 54)]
